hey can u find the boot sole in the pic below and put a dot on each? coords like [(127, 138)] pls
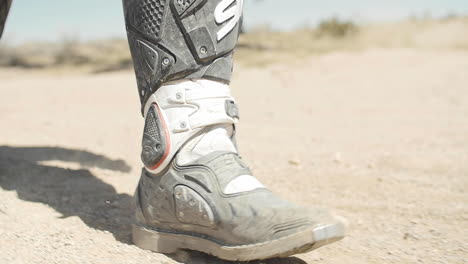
[(301, 242)]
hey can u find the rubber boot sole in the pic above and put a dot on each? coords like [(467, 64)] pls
[(301, 242)]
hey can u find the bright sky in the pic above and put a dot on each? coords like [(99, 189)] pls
[(90, 19)]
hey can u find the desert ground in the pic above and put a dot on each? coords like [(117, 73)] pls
[(378, 135)]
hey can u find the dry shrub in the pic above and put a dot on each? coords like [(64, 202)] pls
[(334, 27), (257, 47), (265, 47), (102, 55)]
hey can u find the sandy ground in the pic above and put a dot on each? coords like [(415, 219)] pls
[(380, 136)]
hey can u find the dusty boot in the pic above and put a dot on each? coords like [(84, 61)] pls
[(195, 191)]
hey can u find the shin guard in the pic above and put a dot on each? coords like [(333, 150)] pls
[(171, 40)]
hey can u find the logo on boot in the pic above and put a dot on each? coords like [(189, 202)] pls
[(226, 11)]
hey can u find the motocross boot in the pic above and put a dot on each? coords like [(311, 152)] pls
[(195, 191)]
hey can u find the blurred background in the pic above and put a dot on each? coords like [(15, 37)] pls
[(90, 33), (360, 106)]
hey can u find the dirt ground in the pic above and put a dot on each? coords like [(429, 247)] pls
[(380, 136)]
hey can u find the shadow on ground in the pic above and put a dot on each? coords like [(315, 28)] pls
[(80, 193)]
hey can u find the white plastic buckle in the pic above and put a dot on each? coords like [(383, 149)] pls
[(187, 107)]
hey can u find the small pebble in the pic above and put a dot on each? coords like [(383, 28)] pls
[(295, 162)]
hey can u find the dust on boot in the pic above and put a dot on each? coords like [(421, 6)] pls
[(195, 191)]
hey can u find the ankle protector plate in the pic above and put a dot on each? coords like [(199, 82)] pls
[(181, 39), (177, 112), (155, 142)]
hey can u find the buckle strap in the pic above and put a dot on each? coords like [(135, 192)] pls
[(189, 106), (205, 105)]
